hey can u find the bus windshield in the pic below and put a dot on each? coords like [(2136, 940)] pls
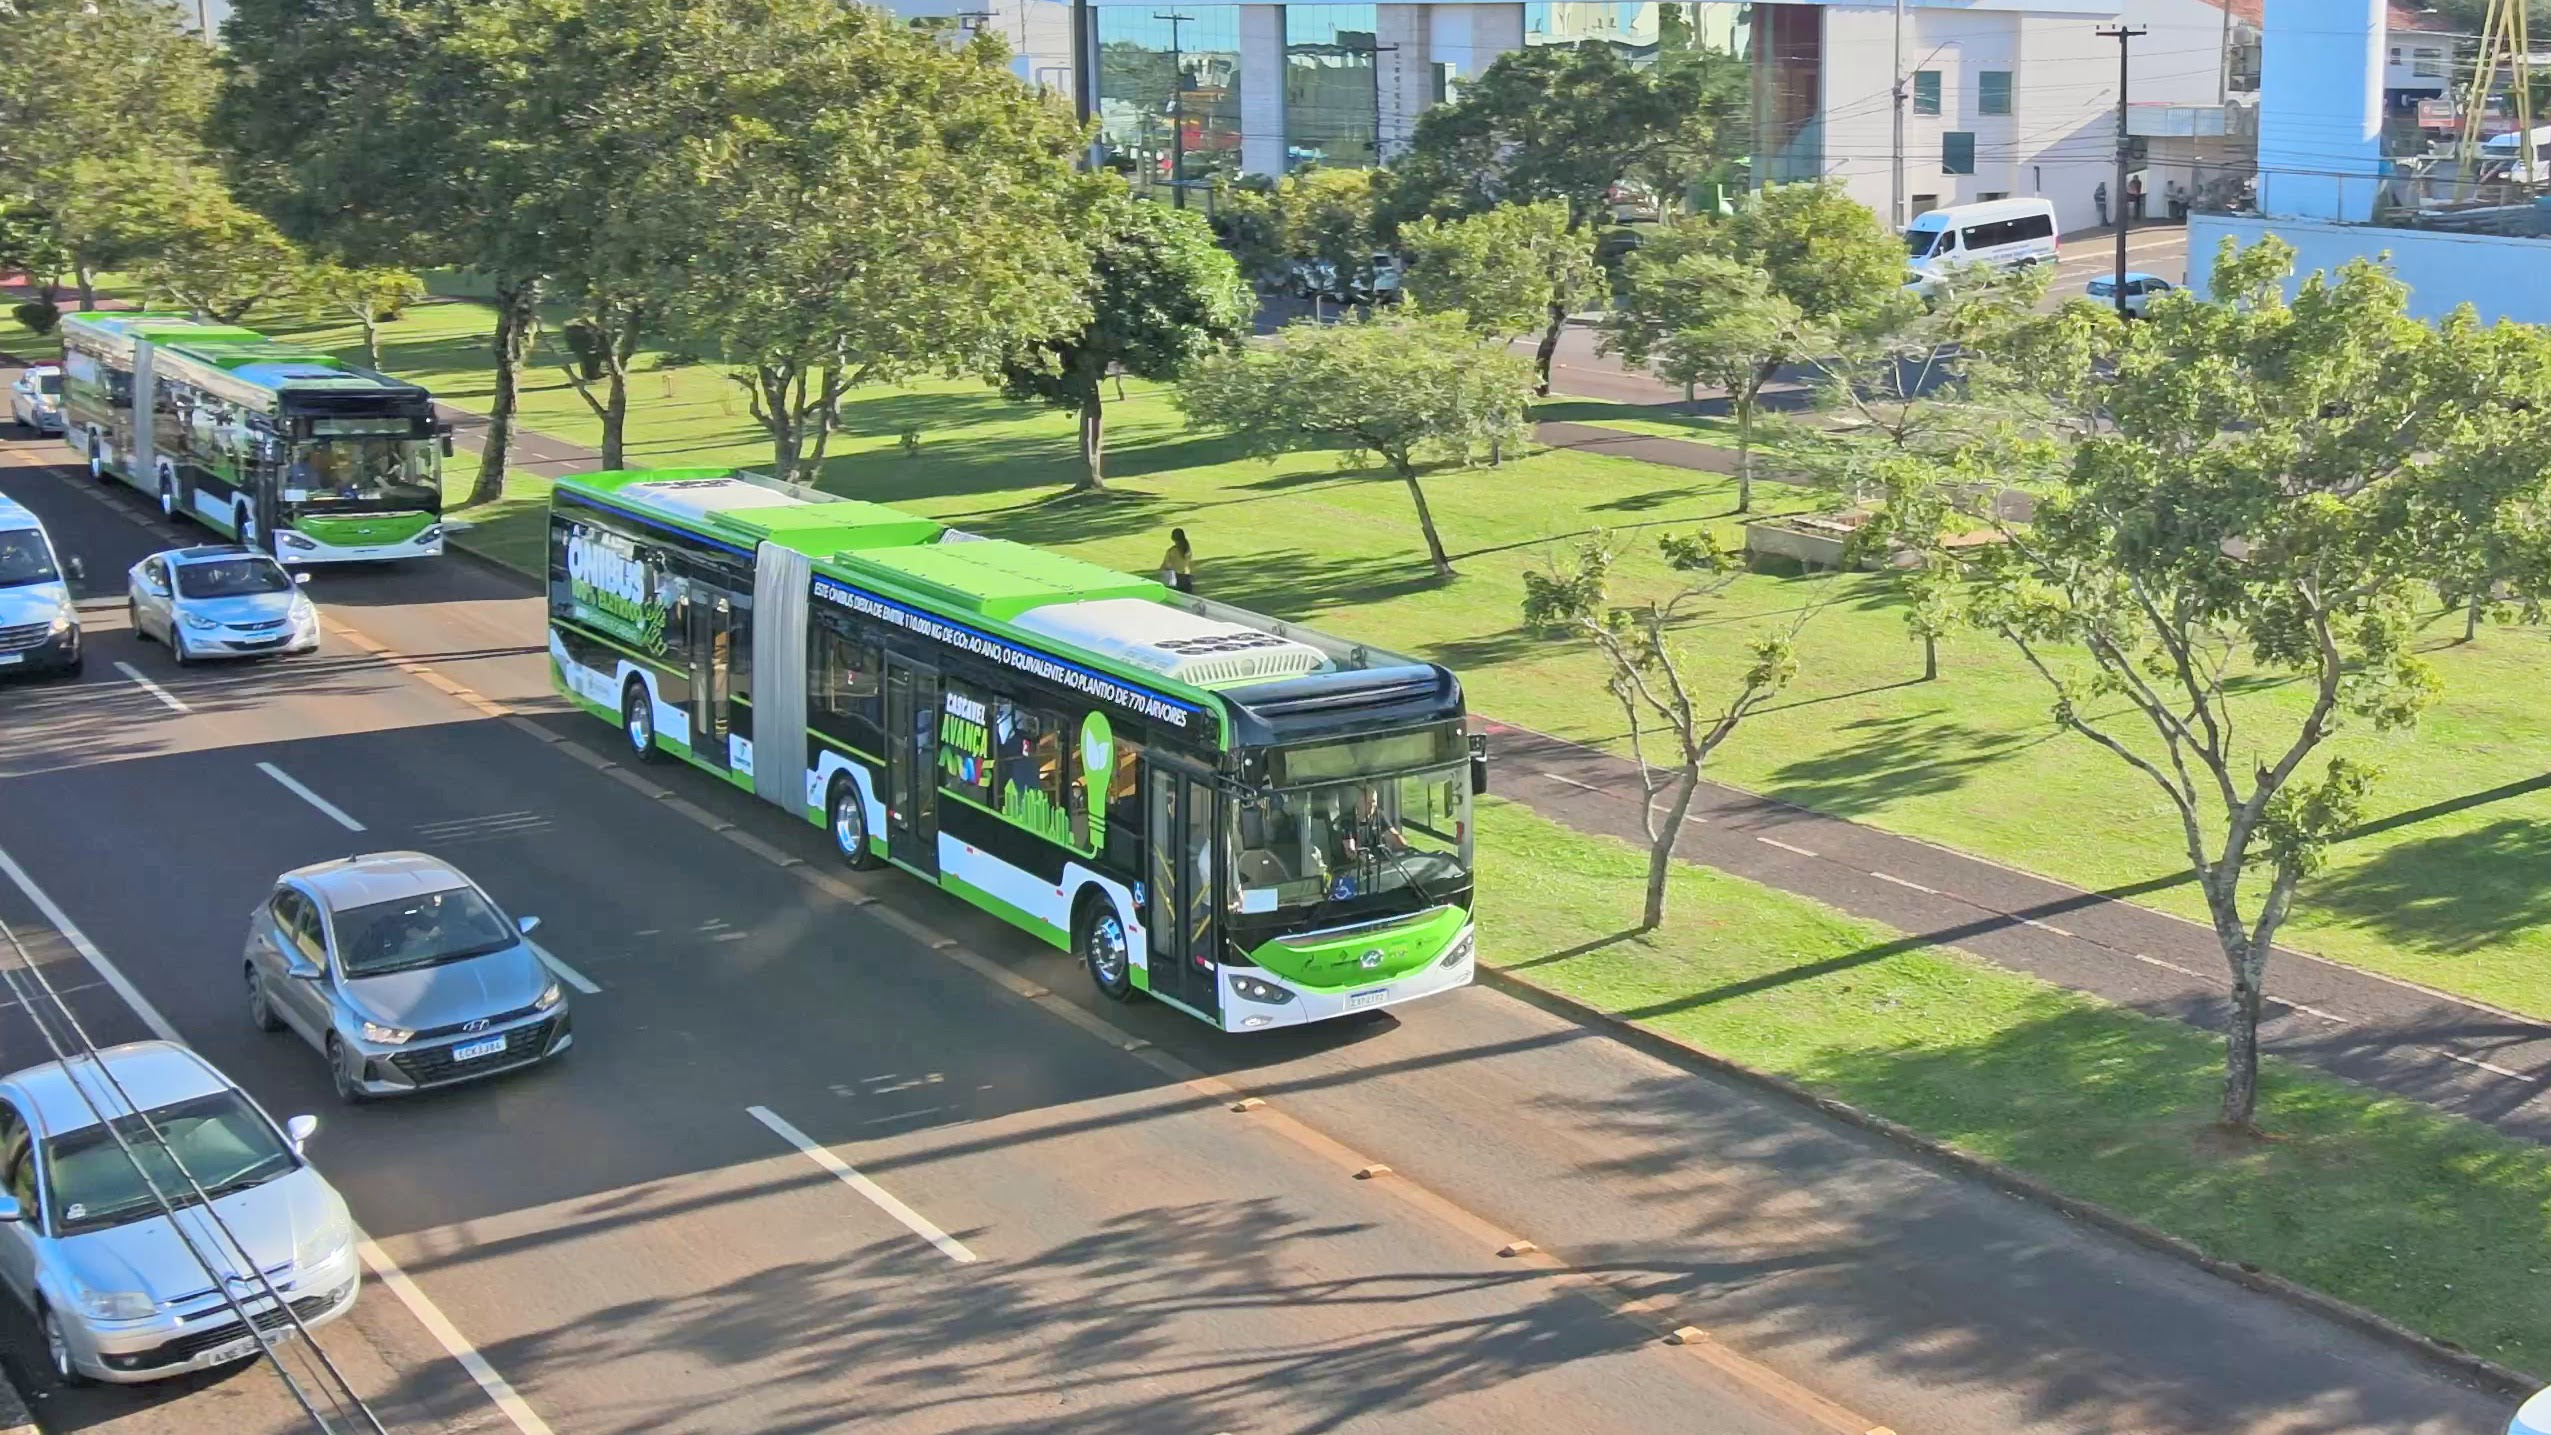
[(396, 471), (1299, 846), (1918, 242)]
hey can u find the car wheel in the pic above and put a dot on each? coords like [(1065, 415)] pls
[(177, 645), (341, 1075), (637, 720), (57, 1349), (133, 620), (261, 1013), (1107, 951), (850, 826)]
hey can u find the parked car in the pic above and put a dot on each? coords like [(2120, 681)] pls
[(39, 625), (86, 1244), (1381, 281), (2534, 1418), (1314, 279), (2141, 290), (220, 601), (35, 399), (402, 973)]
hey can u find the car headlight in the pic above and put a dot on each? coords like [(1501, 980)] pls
[(303, 614), (549, 996), (1462, 949), (320, 1258), (197, 620), (1262, 992), (61, 622), (117, 1305), (374, 1032)]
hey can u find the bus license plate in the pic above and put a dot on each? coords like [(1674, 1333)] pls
[(1375, 997), (477, 1049)]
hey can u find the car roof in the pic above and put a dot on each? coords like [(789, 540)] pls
[(14, 514), (152, 1073), (376, 877), (210, 552), (2132, 276), (44, 368)]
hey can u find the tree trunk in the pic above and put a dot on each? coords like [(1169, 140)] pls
[(88, 285), (371, 343), (1661, 847), (2241, 1045), (615, 418), (1093, 444), (1930, 657), (1426, 521), (1549, 346), (2471, 620), (1745, 453), (517, 317)]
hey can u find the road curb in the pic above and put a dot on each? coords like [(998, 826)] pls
[(2478, 1370)]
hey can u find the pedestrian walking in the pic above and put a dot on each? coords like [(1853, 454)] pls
[(2177, 195), (1178, 565), (2099, 197), (2135, 195)]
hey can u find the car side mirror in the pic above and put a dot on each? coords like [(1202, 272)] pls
[(302, 969), (1478, 764), (300, 1129), (10, 1210), (527, 925), (78, 570), (301, 579)]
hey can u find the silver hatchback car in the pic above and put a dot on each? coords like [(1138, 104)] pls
[(88, 1246), (220, 601), (403, 974)]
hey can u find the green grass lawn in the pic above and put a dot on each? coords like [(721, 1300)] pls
[(2450, 885), (2436, 1222)]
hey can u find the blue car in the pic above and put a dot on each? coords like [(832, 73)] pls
[(2141, 289)]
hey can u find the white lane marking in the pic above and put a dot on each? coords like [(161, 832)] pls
[(884, 1200), (566, 973), (167, 699), (1783, 846), (1572, 782), (2045, 926), (2491, 1068), (1899, 881), (293, 785), (453, 1343), (457, 1346), (97, 960), (2168, 966)]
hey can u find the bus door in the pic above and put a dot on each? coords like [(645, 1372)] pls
[(912, 764), (714, 630), (1184, 881)]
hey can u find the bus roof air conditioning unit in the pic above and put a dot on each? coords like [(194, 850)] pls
[(1176, 644)]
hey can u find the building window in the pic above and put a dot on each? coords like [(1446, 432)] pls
[(1923, 204), (1169, 93), (1641, 32), (2428, 64), (1926, 92), (1957, 152), (1993, 92), (1332, 99)]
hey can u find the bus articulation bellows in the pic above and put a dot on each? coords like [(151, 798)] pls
[(285, 449), (1255, 823)]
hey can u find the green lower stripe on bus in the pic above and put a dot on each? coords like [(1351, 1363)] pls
[(1016, 916), (363, 530), (1360, 958)]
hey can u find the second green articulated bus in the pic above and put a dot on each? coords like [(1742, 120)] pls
[(1255, 823), (285, 449)]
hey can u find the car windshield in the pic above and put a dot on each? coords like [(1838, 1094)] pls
[(219, 1139), (48, 383), (1300, 846), (25, 558), (232, 578), (419, 931), (399, 470), (1918, 242)]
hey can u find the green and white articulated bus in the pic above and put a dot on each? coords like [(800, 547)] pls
[(285, 449), (1258, 824)]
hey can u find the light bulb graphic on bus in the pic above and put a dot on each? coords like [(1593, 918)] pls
[(1098, 768)]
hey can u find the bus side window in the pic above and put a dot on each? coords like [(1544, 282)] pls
[(843, 692), (1125, 807)]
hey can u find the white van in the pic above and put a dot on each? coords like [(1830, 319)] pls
[(39, 629), (2004, 233)]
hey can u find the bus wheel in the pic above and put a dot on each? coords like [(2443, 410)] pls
[(637, 720), (97, 456), (243, 526), (1106, 950), (850, 825)]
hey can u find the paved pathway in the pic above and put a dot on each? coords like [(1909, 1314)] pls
[(2459, 1056)]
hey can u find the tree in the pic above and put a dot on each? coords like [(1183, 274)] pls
[(1501, 268), (871, 204), (1328, 217), (207, 252), (122, 81), (1399, 387), (1162, 295), (1249, 224), (2265, 490), (1566, 124), (1696, 316), (1647, 677), (370, 297)]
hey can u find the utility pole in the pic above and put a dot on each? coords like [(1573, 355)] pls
[(1085, 76), (2124, 35), (1177, 109), (1896, 213)]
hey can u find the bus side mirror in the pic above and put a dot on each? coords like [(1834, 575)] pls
[(78, 569), (1478, 764), (447, 443)]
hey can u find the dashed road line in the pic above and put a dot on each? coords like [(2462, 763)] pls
[(294, 786), (1783, 846), (167, 699), (883, 1199), (1572, 782), (1901, 882)]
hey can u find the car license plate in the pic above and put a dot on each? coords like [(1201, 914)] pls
[(239, 1349), (1375, 997), (7, 658), (476, 1049)]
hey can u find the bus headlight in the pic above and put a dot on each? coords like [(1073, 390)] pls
[(290, 539), (1261, 992), (432, 534), (1463, 949)]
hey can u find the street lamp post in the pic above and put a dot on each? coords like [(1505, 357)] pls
[(1177, 109)]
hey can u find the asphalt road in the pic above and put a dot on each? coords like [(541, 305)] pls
[(623, 1240)]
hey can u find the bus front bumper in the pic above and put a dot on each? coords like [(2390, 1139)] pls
[(1242, 1012), (296, 547)]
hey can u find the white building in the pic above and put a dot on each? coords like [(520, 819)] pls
[(2006, 97)]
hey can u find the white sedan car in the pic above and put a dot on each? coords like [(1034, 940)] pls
[(220, 601), (2534, 1418), (35, 399)]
